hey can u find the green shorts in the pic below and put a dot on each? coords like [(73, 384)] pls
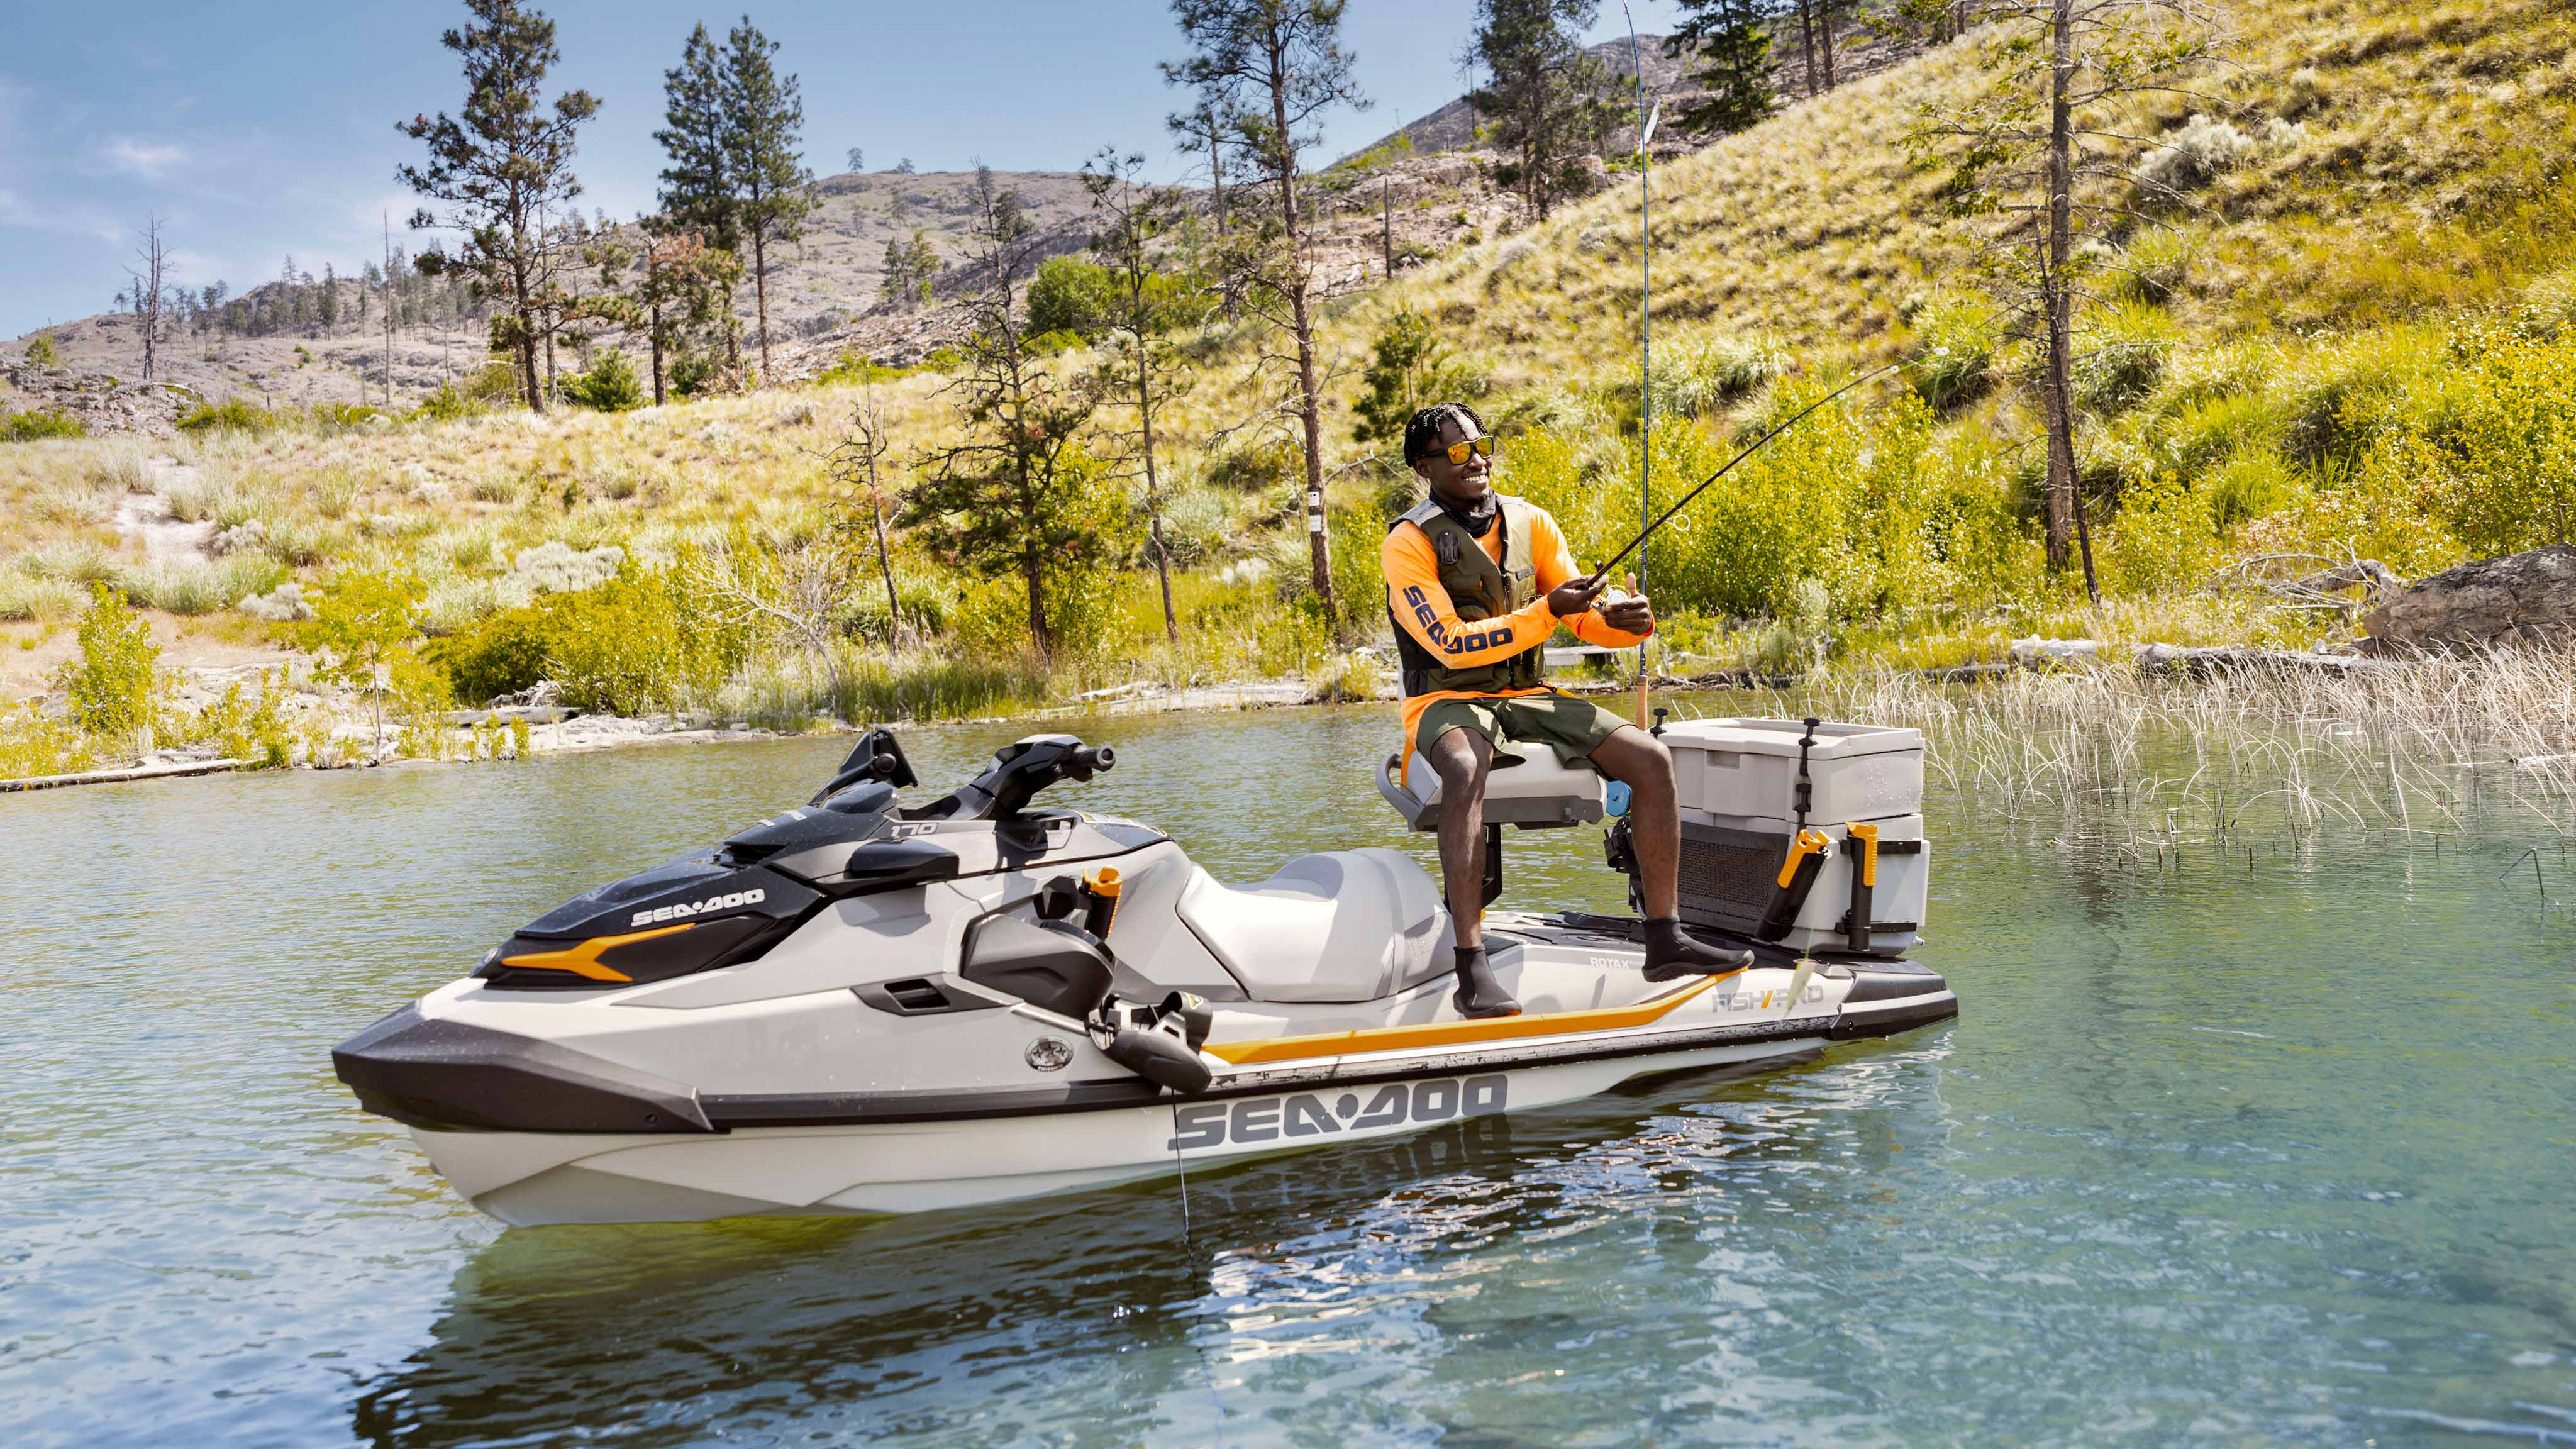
[(1572, 727)]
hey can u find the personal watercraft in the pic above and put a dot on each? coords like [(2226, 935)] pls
[(857, 1006)]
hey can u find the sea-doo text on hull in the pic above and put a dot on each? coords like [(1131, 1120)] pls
[(856, 1007)]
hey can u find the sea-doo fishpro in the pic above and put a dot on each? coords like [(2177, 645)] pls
[(861, 1007)]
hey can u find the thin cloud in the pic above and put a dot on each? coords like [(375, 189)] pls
[(144, 159)]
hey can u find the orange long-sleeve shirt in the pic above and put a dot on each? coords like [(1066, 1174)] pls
[(1411, 565)]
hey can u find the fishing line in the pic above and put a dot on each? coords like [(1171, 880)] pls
[(1755, 446), (1182, 1166), (1190, 1255)]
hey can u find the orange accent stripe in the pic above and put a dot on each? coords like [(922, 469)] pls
[(582, 957), (1454, 1033)]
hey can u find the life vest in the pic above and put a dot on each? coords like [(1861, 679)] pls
[(1479, 589)]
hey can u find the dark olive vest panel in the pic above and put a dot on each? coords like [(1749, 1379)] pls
[(1479, 589)]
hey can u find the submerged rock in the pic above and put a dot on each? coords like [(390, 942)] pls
[(2520, 598)]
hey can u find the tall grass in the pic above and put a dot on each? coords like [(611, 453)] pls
[(2116, 758), (794, 694)]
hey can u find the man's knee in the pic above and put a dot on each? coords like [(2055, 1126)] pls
[(1462, 759), (1635, 758)]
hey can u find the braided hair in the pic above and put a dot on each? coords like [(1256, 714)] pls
[(1422, 430)]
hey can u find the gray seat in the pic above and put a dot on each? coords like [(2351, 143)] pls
[(1346, 926), (1540, 791)]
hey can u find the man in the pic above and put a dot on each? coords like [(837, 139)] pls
[(1476, 583)]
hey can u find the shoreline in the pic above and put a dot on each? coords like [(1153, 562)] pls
[(552, 731)]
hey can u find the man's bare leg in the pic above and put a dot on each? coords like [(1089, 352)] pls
[(1463, 758), (1639, 760)]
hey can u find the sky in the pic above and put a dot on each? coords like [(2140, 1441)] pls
[(256, 132)]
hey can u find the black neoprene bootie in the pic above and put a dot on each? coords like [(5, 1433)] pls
[(1672, 954), (1479, 994)]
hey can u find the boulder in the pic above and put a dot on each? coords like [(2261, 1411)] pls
[(2520, 598)]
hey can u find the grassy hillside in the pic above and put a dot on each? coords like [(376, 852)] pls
[(2351, 344)]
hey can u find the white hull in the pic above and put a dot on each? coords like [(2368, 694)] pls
[(526, 1178)]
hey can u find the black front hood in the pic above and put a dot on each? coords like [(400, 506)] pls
[(447, 1074)]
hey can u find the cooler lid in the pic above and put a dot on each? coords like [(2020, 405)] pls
[(1834, 740)]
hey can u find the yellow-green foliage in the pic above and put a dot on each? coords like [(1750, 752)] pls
[(250, 727), (641, 643), (35, 743), (112, 684), (2499, 463)]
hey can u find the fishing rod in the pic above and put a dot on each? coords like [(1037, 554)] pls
[(1603, 572)]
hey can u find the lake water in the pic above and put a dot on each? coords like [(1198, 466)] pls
[(2278, 1154)]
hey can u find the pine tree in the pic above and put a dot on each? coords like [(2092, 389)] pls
[(695, 194), (502, 166), (764, 164), (1009, 494), (1731, 41), (2039, 166), (1138, 368), (1267, 69), (1544, 94)]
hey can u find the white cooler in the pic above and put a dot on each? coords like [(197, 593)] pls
[(1738, 787)]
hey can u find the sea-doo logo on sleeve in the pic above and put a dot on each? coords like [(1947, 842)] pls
[(1315, 1114), (685, 910)]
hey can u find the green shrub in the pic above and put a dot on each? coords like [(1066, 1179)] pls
[(2338, 403), (852, 368), (610, 386), (1409, 368), (1071, 295), (232, 414), (249, 728), (112, 683), (2162, 541), (503, 653), (336, 417), (1700, 374), (640, 643), (33, 743), (32, 426), (1956, 364), (41, 351), (2499, 460), (446, 405), (2125, 355), (696, 373)]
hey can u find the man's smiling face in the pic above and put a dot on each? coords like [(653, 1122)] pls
[(1465, 482)]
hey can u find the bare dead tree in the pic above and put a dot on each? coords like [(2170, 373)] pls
[(787, 582), (147, 290), (854, 463)]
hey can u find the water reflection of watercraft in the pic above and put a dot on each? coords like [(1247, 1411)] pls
[(1013, 1322), (857, 1007)]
